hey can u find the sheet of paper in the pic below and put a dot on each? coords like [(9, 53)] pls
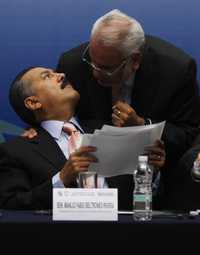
[(118, 148)]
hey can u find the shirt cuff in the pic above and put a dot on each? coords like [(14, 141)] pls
[(56, 181)]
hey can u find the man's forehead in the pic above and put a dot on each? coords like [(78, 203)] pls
[(36, 72), (104, 55)]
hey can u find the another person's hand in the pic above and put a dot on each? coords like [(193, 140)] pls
[(29, 133), (198, 157), (124, 115), (156, 154), (78, 161)]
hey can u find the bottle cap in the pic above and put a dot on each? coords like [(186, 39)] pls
[(143, 158)]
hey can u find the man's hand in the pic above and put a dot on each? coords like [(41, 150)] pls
[(29, 133), (124, 115), (156, 154), (78, 161)]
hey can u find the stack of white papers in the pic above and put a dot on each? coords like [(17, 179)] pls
[(118, 148)]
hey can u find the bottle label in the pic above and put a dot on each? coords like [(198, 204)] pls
[(142, 201)]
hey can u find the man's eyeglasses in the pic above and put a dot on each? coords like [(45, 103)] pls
[(104, 71)]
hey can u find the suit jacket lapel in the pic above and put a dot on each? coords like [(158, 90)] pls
[(101, 99), (144, 90), (48, 148)]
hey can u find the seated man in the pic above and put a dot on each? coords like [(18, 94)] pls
[(29, 167), (186, 188)]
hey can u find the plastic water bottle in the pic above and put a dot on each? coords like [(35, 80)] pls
[(142, 195), (195, 171)]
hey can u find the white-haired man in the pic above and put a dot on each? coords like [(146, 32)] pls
[(127, 78)]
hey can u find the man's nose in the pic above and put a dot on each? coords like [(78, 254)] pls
[(97, 74), (60, 77)]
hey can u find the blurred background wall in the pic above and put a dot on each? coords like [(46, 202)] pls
[(36, 32)]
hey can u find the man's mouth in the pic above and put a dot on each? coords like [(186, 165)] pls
[(104, 83), (65, 83)]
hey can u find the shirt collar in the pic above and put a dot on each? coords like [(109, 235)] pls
[(130, 81), (54, 127)]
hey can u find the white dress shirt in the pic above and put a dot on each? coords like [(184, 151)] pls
[(54, 128)]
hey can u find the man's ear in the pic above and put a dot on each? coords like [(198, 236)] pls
[(32, 103), (136, 58)]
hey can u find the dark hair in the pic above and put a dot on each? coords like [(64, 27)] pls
[(19, 91)]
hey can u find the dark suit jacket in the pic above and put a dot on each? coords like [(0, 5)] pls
[(165, 88), (26, 170), (185, 193)]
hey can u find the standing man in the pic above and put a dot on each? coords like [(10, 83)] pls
[(126, 78)]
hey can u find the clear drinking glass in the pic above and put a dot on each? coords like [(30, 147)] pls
[(87, 180)]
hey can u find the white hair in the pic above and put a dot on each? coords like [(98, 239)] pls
[(119, 30)]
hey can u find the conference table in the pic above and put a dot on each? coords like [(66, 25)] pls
[(36, 229)]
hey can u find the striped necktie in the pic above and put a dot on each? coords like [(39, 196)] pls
[(74, 140)]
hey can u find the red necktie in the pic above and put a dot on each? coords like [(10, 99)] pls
[(74, 137)]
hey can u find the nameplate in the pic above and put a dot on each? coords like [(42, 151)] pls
[(85, 204)]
